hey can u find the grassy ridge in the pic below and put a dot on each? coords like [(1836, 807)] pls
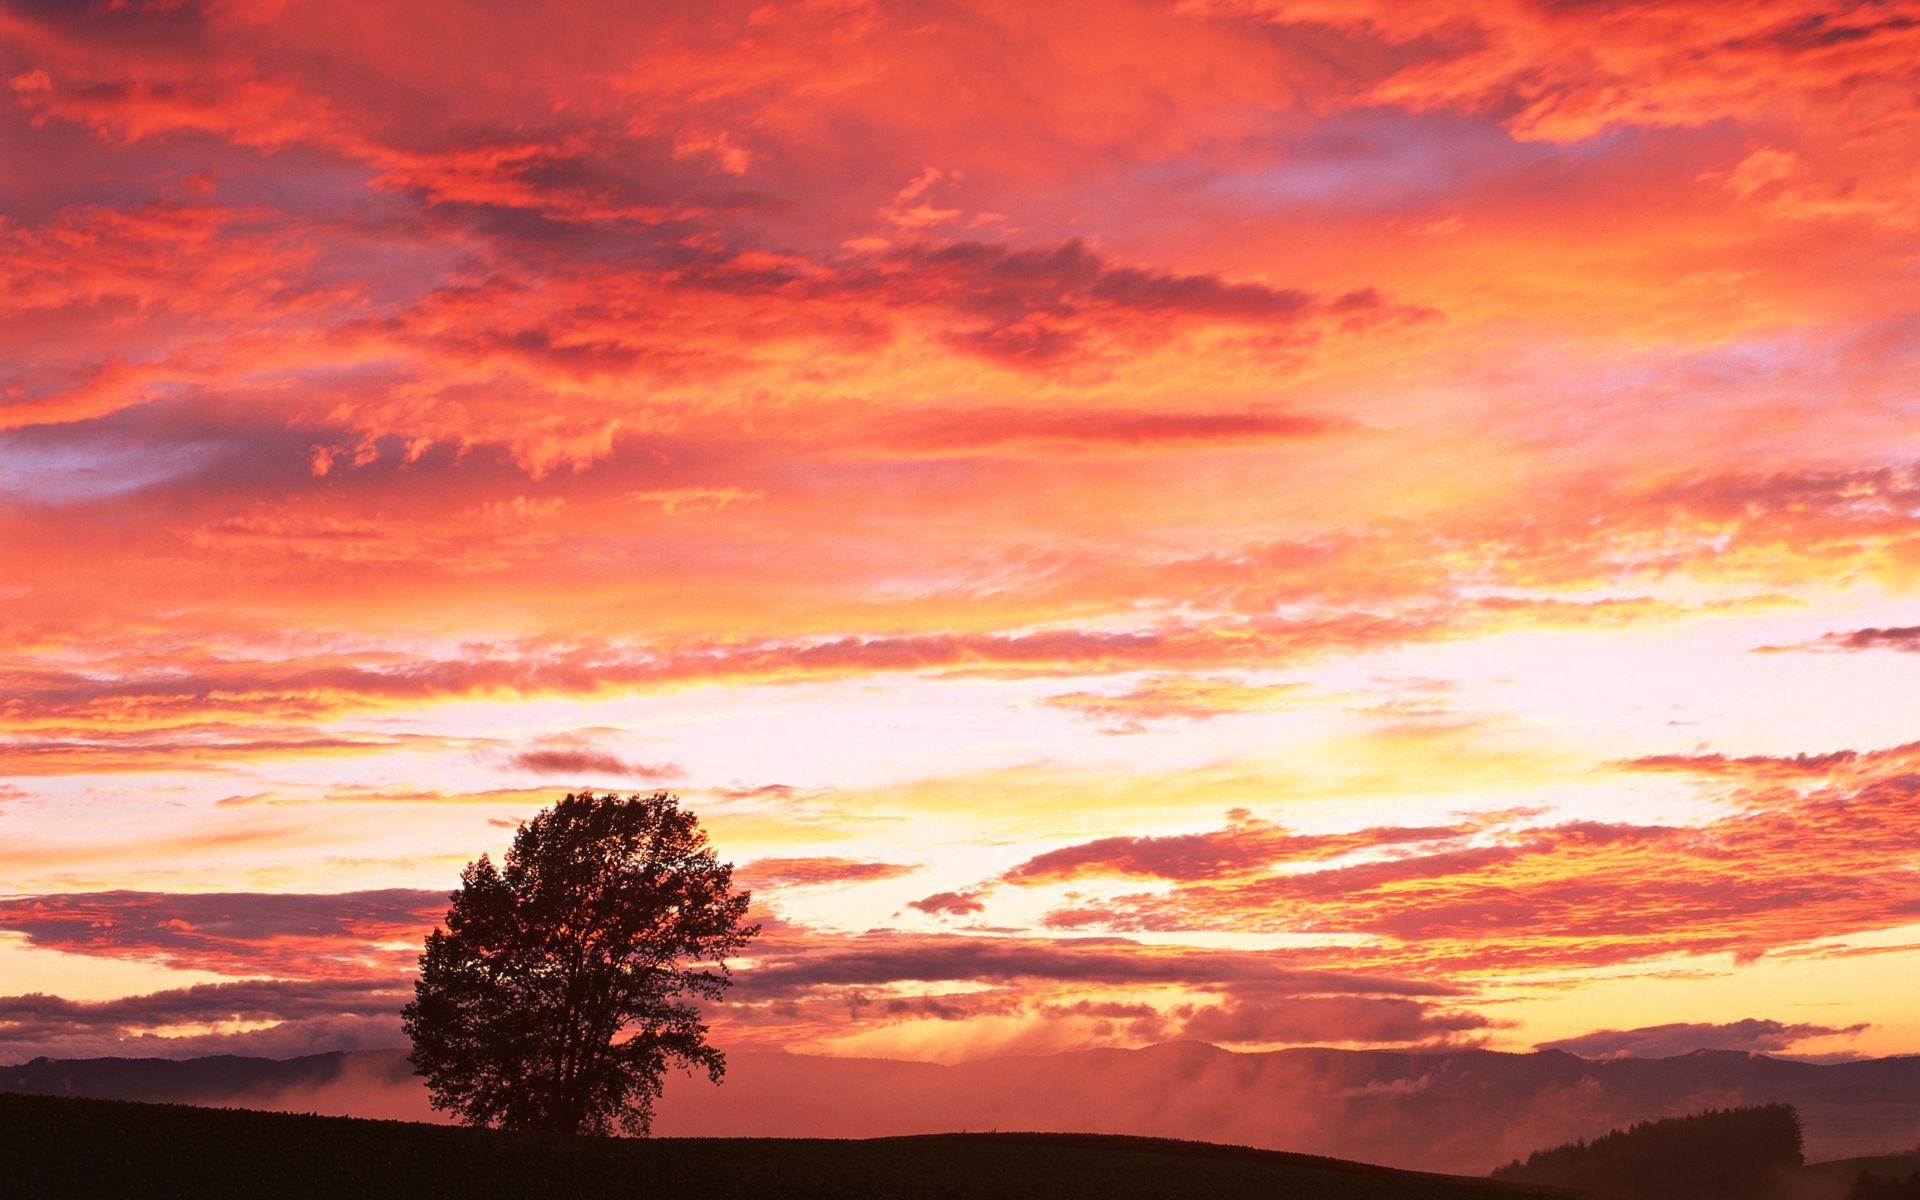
[(57, 1146)]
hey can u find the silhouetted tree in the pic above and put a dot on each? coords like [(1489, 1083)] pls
[(1868, 1186), (562, 987), (1720, 1154)]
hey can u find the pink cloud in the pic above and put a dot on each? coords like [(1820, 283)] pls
[(1663, 1041)]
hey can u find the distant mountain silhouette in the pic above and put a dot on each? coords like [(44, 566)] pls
[(214, 1079), (1463, 1111)]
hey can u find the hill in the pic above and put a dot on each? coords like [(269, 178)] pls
[(1465, 1112), (56, 1146)]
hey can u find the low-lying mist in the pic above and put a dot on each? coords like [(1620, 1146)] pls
[(1460, 1111)]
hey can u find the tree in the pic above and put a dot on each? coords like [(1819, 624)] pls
[(562, 987), (1868, 1186), (1719, 1154)]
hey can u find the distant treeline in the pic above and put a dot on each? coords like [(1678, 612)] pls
[(1871, 1187), (1720, 1154)]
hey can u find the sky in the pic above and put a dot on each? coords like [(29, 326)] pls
[(1269, 522)]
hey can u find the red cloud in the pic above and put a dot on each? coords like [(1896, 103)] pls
[(1015, 431), (814, 872), (1751, 767), (305, 1015), (209, 746), (1245, 847), (324, 687), (784, 970), (1899, 637), (351, 335), (1309, 1020), (1789, 865), (582, 761), (956, 904), (1031, 307), (1905, 637), (1564, 74), (138, 713), (345, 935)]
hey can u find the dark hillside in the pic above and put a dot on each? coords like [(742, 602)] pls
[(53, 1146)]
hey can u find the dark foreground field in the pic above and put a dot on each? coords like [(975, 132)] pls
[(55, 1146)]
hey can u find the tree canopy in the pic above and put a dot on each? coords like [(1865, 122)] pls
[(563, 986), (1719, 1154)]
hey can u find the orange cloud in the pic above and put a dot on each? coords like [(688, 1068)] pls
[(1574, 73), (1177, 697), (1011, 431), (1814, 851)]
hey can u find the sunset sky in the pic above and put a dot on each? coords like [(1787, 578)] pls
[(1273, 522)]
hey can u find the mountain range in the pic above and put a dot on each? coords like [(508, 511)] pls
[(1463, 1111)]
